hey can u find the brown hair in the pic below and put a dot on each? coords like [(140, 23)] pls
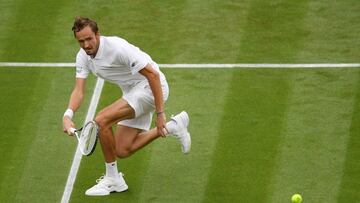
[(81, 22)]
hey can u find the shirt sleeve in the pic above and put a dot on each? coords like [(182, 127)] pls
[(134, 58), (82, 69)]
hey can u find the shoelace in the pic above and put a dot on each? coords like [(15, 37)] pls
[(103, 176), (100, 179)]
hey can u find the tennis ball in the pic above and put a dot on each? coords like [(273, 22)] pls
[(296, 198)]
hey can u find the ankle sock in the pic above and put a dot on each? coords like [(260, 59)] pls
[(111, 170)]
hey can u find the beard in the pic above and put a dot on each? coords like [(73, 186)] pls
[(89, 51)]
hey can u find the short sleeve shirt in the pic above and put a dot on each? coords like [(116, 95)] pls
[(116, 61)]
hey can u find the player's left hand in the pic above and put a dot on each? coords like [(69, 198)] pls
[(161, 124)]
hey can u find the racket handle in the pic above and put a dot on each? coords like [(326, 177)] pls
[(72, 130)]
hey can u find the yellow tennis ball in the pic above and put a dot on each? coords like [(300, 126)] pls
[(296, 198)]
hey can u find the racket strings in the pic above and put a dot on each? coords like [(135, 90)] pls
[(89, 137)]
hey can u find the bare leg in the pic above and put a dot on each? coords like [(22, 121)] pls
[(129, 140), (110, 115)]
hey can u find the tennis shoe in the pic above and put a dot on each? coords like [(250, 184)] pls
[(105, 185), (181, 132)]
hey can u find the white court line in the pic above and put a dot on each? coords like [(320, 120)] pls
[(264, 65), (211, 65), (30, 64), (77, 157)]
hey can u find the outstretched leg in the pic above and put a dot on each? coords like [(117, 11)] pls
[(129, 140)]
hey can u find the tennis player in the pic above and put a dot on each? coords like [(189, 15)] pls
[(145, 91)]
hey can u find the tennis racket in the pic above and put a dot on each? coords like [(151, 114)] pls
[(87, 137)]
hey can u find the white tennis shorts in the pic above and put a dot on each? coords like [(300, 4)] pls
[(141, 99)]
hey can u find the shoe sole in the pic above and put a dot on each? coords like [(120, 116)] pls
[(189, 148), (187, 119), (122, 188)]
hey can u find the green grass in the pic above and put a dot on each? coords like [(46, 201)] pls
[(36, 156), (259, 135), (351, 171), (251, 129)]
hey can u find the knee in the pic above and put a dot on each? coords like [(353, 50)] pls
[(123, 153), (101, 121)]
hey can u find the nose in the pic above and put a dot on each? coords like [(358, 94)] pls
[(86, 44)]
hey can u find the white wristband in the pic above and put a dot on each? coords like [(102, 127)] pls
[(69, 113)]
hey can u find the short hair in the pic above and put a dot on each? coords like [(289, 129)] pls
[(81, 22)]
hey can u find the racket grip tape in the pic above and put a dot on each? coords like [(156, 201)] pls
[(72, 130)]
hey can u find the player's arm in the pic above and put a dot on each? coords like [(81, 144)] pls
[(154, 80), (76, 99), (77, 95)]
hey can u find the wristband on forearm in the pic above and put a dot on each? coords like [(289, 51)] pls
[(69, 113)]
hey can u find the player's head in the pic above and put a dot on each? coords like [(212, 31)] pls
[(87, 34)]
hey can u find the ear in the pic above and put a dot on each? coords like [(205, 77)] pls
[(75, 35)]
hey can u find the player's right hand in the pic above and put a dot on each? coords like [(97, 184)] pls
[(68, 124)]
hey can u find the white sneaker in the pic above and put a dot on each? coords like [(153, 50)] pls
[(181, 132), (106, 185)]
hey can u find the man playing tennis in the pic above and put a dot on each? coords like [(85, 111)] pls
[(145, 90)]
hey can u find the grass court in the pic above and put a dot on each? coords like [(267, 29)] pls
[(259, 135)]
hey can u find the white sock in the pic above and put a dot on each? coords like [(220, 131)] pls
[(171, 127), (111, 170)]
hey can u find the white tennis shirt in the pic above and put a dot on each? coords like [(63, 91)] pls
[(116, 61)]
